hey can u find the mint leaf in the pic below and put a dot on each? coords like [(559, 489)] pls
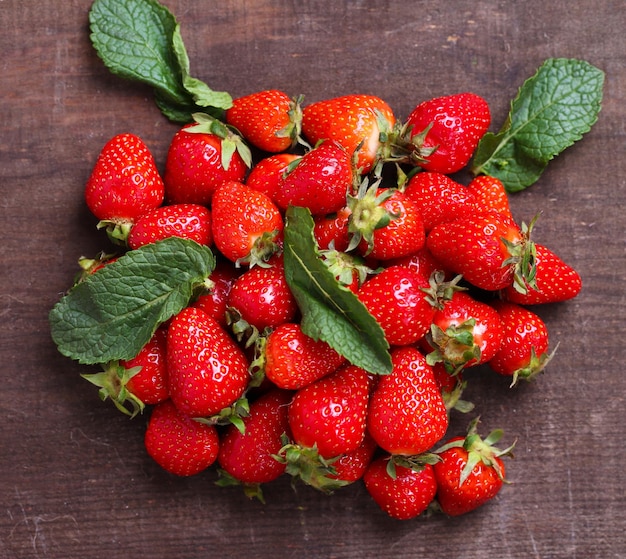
[(113, 313), (330, 311), (140, 40), (552, 110)]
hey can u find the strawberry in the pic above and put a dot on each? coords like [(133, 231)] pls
[(133, 383), (189, 221), (246, 455), (123, 185), (351, 466), (215, 301), (293, 359), (439, 198), (470, 471), (489, 193), (354, 121), (320, 181), (396, 299), (207, 370), (179, 444), (554, 281), (330, 413), (261, 297), (385, 223), (490, 250), (524, 349), (269, 119), (405, 494), (445, 131), (407, 414), (197, 163), (421, 262), (332, 230), (464, 333), (268, 174), (246, 223)]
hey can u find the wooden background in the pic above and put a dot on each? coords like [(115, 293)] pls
[(75, 481)]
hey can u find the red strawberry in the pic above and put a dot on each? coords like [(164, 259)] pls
[(246, 223), (407, 414), (446, 130), (247, 455), (270, 119), (465, 332), (293, 359), (124, 184), (261, 296), (207, 370), (405, 494), (439, 198), (332, 229), (524, 349), (214, 302), (386, 222), (197, 163), (470, 471), (138, 381), (320, 181), (268, 174), (89, 266), (554, 281), (355, 121), (489, 249), (351, 466), (179, 444), (396, 299), (330, 413), (189, 221), (489, 193), (421, 262)]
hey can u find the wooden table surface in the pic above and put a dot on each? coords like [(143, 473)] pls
[(75, 481)]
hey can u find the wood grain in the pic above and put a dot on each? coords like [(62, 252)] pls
[(75, 481)]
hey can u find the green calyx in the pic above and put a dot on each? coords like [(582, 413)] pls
[(250, 490), (117, 230), (455, 346), (536, 364), (232, 414), (523, 259), (264, 247), (112, 384), (344, 266), (293, 130)]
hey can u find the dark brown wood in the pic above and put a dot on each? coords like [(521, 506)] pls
[(75, 481)]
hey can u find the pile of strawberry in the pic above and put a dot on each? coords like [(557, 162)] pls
[(443, 268)]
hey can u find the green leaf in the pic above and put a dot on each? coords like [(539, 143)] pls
[(330, 311), (113, 313), (140, 40), (552, 110)]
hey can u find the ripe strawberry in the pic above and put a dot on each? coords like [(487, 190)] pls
[(354, 121), (489, 249), (269, 120), (470, 471), (396, 299), (385, 223), (261, 296), (207, 370), (246, 223), (332, 230), (421, 262), (293, 359), (133, 383), (330, 413), (554, 281), (524, 349), (215, 301), (351, 466), (407, 414), (247, 456), (320, 181), (268, 174), (406, 494), (124, 184), (179, 444), (446, 130), (464, 333), (197, 163), (489, 193), (439, 198), (189, 221)]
